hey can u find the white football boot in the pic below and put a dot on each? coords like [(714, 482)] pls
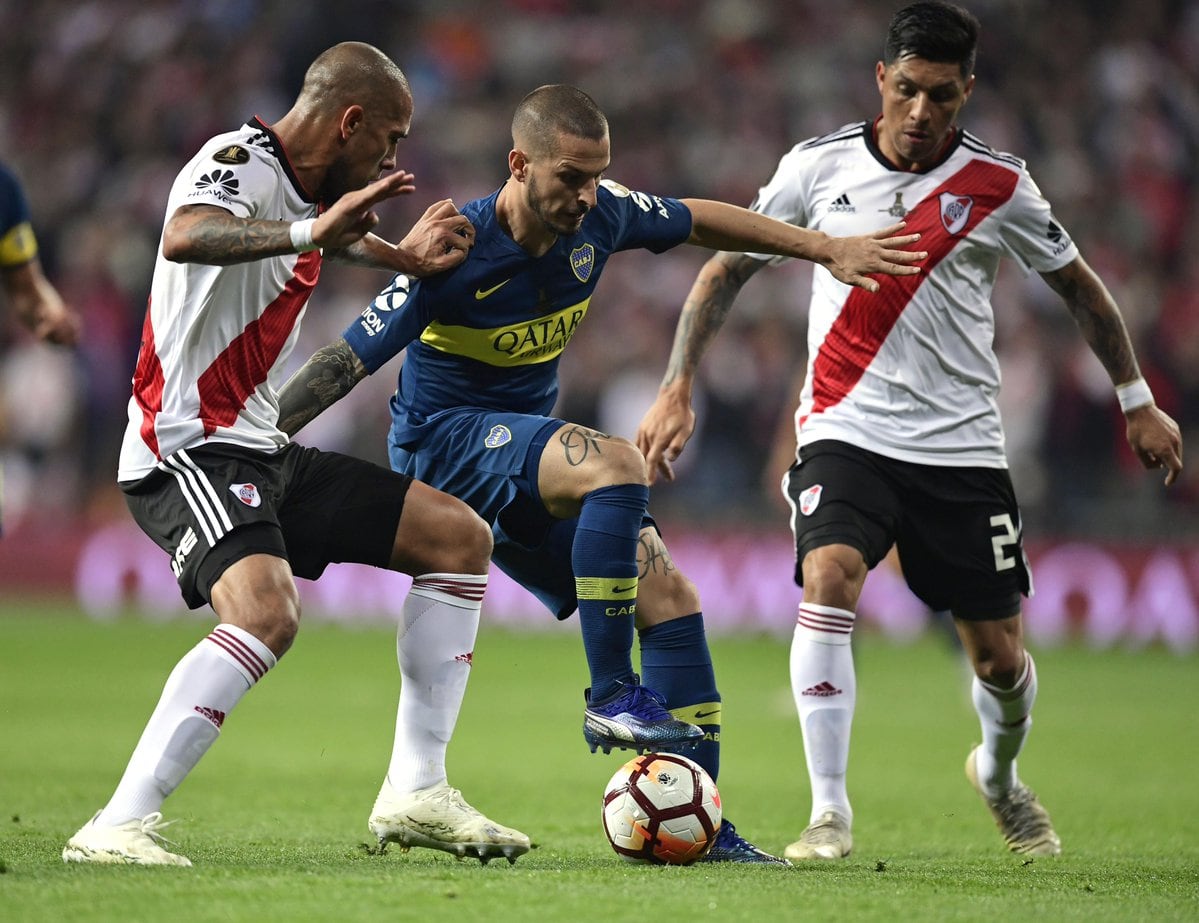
[(135, 842), (1020, 817), (438, 817), (827, 837)]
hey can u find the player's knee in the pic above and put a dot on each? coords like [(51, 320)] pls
[(473, 545), (268, 609), (663, 597), (1000, 668), (622, 463), (833, 577), (462, 544)]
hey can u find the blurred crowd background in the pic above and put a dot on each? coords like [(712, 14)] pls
[(102, 102)]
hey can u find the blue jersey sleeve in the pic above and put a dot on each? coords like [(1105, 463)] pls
[(642, 220), (393, 319), (13, 208)]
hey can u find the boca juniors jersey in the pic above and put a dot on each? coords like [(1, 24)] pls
[(910, 372), (215, 338), (490, 332), (17, 244)]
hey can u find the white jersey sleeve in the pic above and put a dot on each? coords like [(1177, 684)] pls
[(783, 198), (242, 188), (1030, 234)]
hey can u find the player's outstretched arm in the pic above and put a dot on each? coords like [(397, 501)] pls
[(329, 375), (670, 421), (213, 236), (720, 226), (1151, 432)]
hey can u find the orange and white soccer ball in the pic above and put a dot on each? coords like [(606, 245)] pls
[(661, 808)]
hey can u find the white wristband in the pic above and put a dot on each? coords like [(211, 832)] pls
[(1134, 394), (301, 235)]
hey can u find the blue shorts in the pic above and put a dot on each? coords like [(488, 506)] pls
[(490, 460)]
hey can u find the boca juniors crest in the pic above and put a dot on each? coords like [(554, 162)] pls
[(499, 435), (955, 211), (582, 261)]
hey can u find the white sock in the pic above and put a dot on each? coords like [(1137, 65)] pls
[(201, 690), (825, 689), (435, 644), (1006, 717)]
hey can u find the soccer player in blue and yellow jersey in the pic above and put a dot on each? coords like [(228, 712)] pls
[(567, 504), (36, 302)]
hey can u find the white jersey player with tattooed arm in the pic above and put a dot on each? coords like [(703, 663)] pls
[(238, 508), (899, 434)]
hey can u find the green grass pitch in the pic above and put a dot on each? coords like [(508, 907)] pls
[(274, 818)]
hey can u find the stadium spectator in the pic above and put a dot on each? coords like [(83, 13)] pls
[(898, 429), (240, 510)]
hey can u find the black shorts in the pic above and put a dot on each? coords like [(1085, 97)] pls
[(210, 507), (957, 530)]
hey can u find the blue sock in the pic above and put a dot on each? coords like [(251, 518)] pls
[(675, 661), (604, 559)]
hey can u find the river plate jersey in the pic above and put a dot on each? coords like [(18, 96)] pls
[(489, 333), (910, 372), (215, 337)]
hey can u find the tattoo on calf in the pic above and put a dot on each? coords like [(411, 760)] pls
[(652, 556)]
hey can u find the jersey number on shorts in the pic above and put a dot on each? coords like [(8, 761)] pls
[(1003, 541)]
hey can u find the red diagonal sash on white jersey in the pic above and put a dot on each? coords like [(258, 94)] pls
[(240, 368), (244, 364), (865, 321)]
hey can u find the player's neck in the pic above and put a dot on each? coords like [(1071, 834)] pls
[(304, 147), (521, 224)]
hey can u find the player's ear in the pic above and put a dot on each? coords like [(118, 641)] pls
[(351, 121), (518, 164)]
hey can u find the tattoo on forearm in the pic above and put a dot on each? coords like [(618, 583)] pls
[(1103, 328), (578, 444), (220, 240), (326, 378), (652, 556), (704, 313)]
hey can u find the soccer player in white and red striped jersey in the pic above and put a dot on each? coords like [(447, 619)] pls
[(899, 435), (238, 507)]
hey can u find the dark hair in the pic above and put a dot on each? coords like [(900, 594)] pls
[(553, 109), (936, 31)]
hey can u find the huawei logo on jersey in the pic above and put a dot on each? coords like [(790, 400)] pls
[(955, 211), (220, 183), (810, 499), (1057, 237)]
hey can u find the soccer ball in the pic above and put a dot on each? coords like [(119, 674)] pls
[(661, 808)]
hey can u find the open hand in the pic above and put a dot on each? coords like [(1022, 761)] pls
[(852, 259), (664, 431)]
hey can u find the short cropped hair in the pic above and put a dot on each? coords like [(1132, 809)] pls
[(936, 31), (555, 109)]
